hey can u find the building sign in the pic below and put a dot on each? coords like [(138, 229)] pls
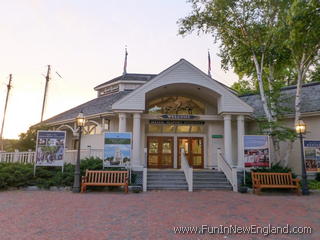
[(312, 155), (256, 151), (176, 116), (117, 149), (50, 148), (217, 136), (176, 122)]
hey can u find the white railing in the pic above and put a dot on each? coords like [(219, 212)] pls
[(188, 171), (16, 156), (70, 156), (229, 171)]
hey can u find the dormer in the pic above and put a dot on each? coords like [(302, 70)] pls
[(126, 82)]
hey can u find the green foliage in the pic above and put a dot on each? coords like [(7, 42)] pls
[(244, 87), (9, 145), (276, 168), (28, 139), (314, 184), (317, 177), (21, 175)]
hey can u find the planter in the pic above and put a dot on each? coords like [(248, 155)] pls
[(243, 189), (135, 189)]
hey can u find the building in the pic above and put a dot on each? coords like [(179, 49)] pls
[(181, 107)]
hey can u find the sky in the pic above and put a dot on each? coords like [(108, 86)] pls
[(84, 41)]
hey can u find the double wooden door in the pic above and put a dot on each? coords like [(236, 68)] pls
[(160, 152), (193, 148)]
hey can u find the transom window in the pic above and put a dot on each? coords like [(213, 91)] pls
[(158, 128), (176, 105)]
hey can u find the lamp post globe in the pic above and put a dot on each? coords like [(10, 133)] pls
[(300, 130), (80, 121)]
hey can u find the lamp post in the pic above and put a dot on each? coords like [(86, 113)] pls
[(80, 121), (301, 129)]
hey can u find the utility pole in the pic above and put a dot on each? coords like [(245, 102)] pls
[(45, 91), (9, 86)]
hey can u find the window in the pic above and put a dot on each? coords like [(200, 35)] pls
[(176, 105), (158, 128)]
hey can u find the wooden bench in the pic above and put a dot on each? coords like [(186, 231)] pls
[(273, 180), (105, 178)]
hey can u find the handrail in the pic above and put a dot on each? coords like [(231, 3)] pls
[(228, 170), (188, 171)]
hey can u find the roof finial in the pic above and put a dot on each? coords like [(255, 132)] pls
[(209, 63), (125, 61)]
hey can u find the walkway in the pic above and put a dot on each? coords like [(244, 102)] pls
[(152, 215)]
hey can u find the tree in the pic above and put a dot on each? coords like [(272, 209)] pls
[(252, 43), (28, 139), (302, 26), (244, 87)]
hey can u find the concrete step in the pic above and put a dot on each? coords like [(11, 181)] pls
[(210, 180), (166, 180)]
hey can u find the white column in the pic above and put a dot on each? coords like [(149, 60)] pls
[(136, 142), (122, 122), (227, 138), (240, 129)]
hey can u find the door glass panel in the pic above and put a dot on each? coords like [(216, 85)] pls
[(153, 160), (184, 143), (153, 147), (197, 146), (166, 160), (197, 161), (166, 147)]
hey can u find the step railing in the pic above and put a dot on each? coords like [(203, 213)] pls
[(228, 170), (188, 171)]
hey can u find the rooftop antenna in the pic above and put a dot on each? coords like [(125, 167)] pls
[(9, 86), (45, 91), (125, 61)]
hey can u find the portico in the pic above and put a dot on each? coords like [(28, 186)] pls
[(183, 108)]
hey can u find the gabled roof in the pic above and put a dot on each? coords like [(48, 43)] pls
[(310, 99), (183, 72), (129, 77), (96, 106)]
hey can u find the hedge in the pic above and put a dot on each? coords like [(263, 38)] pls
[(21, 175)]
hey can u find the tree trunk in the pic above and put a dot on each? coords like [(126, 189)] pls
[(261, 88)]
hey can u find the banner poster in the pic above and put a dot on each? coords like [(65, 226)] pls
[(312, 155), (50, 148), (256, 151), (117, 149)]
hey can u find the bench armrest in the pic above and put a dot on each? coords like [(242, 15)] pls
[(84, 179), (296, 181), (255, 181)]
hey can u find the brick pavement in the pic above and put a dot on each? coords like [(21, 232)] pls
[(50, 215)]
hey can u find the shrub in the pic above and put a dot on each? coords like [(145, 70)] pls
[(21, 175), (317, 177), (313, 184)]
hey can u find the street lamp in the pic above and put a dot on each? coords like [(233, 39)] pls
[(301, 129), (80, 121)]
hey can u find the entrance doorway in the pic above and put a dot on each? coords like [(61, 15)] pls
[(160, 152), (193, 148)]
